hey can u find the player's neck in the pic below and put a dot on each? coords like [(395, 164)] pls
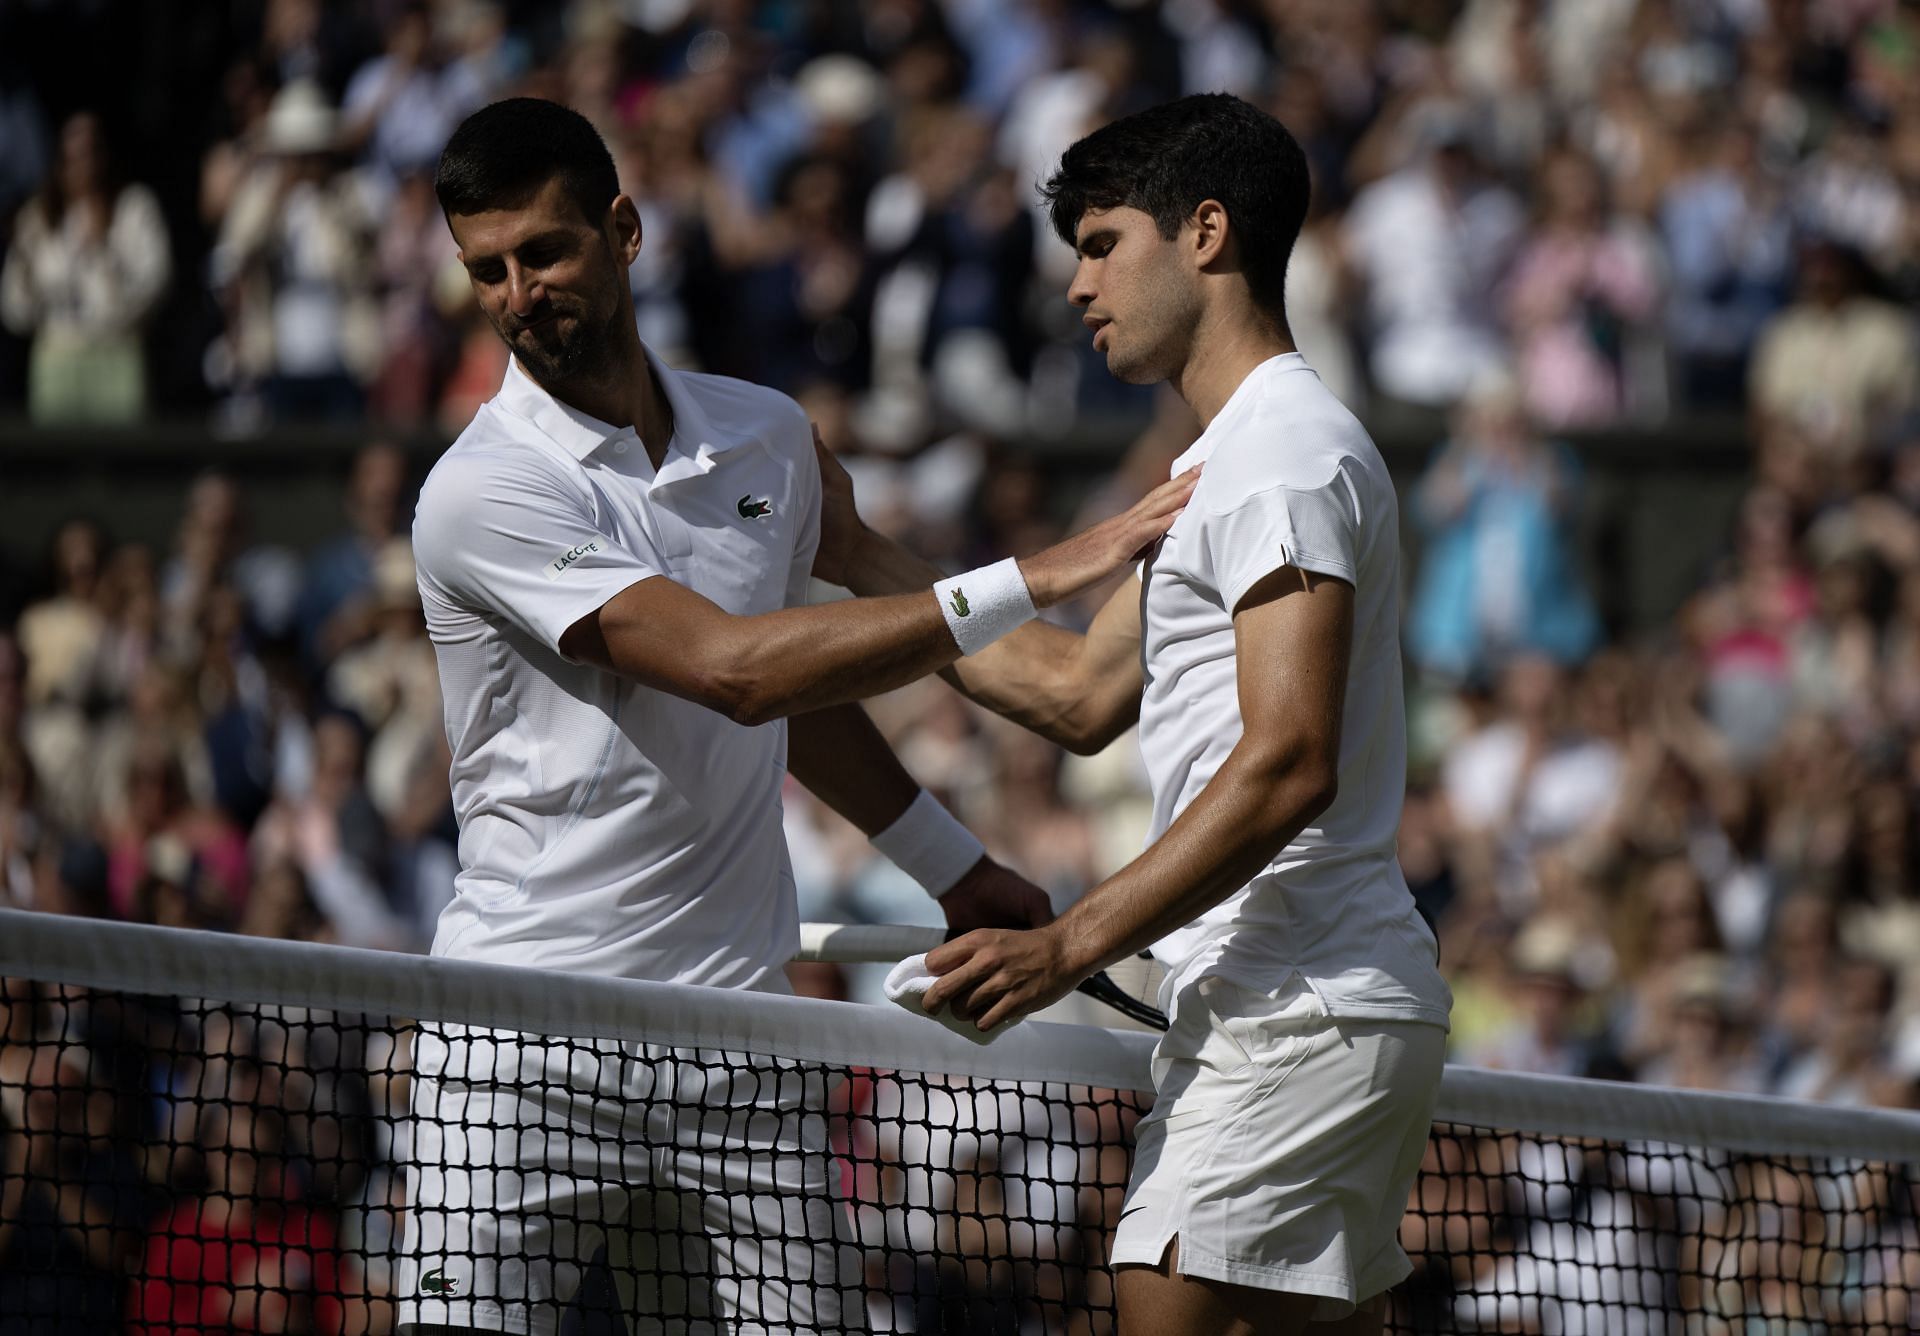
[(1224, 354), (627, 395)]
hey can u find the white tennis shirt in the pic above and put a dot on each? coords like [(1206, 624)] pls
[(1291, 479), (605, 826)]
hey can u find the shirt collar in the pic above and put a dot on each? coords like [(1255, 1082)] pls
[(1202, 447), (580, 434)]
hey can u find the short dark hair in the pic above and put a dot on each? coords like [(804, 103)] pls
[(1165, 160), (505, 153)]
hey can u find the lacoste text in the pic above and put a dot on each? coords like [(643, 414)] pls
[(559, 564)]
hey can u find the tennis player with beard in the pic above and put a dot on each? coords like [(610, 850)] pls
[(613, 559), (1259, 652)]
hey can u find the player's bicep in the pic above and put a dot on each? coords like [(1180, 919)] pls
[(1293, 636), (662, 634)]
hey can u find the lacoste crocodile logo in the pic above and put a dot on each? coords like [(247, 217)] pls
[(958, 602), (435, 1283), (753, 510)]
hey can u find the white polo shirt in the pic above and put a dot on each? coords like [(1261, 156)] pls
[(1291, 479), (605, 826)]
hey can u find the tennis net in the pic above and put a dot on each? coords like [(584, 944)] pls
[(206, 1133)]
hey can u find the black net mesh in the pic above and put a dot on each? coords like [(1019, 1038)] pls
[(181, 1166)]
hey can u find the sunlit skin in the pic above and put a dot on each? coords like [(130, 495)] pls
[(1137, 300), (1172, 308), (553, 283)]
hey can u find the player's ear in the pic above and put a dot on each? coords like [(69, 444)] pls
[(1211, 232), (624, 220)]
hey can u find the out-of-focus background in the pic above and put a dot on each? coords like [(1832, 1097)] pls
[(1624, 289)]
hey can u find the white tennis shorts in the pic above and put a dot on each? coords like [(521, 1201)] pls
[(705, 1177), (1282, 1144)]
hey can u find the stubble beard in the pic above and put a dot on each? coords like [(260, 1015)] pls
[(1159, 346), (584, 355)]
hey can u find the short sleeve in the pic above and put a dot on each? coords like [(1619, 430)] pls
[(806, 532), (520, 541), (1310, 528)]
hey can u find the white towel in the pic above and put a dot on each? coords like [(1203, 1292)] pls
[(908, 982)]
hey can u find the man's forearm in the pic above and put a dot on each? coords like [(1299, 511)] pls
[(1248, 813), (758, 668), (1026, 677), (805, 659), (879, 566), (845, 762)]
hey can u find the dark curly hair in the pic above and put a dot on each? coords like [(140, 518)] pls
[(1165, 160)]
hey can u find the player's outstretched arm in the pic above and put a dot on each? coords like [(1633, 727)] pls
[(757, 668), (1080, 691), (843, 759), (1292, 636)]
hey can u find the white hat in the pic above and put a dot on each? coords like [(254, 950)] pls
[(840, 89), (300, 120)]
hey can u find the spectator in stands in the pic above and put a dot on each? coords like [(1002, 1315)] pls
[(336, 607), (213, 552), (20, 834), (801, 293), (161, 831), (1728, 239), (60, 642), (1497, 575), (130, 599), (1529, 779), (281, 905), (1553, 1031), (88, 264), (1583, 288), (1741, 624), (1708, 1043), (1663, 925), (1846, 1064), (1847, 191), (1834, 650), (1841, 363), (401, 105), (1801, 957), (391, 682), (292, 267), (1428, 242), (413, 252), (245, 1254), (333, 833), (72, 1197), (953, 245)]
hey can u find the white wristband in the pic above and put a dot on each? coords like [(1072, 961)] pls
[(928, 844), (984, 604)]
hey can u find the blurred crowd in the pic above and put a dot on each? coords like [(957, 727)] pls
[(1639, 207), (1687, 856)]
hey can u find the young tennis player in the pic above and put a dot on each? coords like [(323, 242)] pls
[(1259, 651)]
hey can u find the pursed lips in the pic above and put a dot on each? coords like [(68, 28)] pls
[(522, 326)]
